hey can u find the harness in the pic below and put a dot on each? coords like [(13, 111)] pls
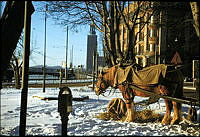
[(127, 94), (102, 90)]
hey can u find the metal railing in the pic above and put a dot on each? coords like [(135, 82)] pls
[(49, 81)]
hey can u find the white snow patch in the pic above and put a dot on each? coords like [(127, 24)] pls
[(43, 117)]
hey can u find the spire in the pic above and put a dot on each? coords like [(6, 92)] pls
[(92, 29)]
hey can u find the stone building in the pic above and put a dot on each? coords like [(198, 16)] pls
[(166, 33), (91, 48)]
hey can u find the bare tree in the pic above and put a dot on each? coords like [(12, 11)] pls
[(138, 12), (16, 61), (195, 14), (107, 16)]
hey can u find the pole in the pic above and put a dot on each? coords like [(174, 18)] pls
[(64, 120), (97, 65), (72, 54), (60, 78), (189, 102), (93, 71), (155, 54), (44, 67), (25, 69), (66, 54)]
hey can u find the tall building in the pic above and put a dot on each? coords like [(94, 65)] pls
[(91, 48)]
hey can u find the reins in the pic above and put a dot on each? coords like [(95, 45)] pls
[(107, 84), (109, 92)]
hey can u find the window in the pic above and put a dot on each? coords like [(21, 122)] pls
[(152, 47), (141, 36)]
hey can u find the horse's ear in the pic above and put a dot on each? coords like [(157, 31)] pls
[(102, 72), (99, 71)]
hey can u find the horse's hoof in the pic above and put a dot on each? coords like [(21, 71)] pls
[(128, 120), (175, 121), (165, 123), (166, 120)]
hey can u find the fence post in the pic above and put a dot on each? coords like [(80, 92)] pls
[(195, 71)]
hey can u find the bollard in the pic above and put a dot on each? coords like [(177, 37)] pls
[(197, 88), (64, 107)]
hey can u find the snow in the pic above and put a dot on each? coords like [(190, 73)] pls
[(43, 117)]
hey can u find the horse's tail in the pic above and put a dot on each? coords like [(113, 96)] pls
[(179, 89), (174, 80)]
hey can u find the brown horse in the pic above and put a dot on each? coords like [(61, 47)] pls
[(171, 85)]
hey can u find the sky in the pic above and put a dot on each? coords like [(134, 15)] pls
[(56, 42)]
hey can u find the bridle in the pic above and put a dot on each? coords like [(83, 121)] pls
[(101, 89)]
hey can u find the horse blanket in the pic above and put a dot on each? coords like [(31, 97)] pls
[(146, 76)]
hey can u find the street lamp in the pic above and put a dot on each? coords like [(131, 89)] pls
[(44, 67), (66, 54)]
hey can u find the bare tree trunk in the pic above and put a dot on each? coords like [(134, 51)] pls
[(117, 35), (195, 13), (17, 78), (112, 33), (107, 44), (131, 56), (16, 70)]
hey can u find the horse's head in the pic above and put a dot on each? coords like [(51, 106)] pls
[(102, 83)]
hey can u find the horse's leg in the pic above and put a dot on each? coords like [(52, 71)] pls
[(128, 96), (168, 105), (130, 117), (177, 106), (177, 113), (166, 119)]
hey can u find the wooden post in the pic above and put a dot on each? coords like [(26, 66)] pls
[(25, 69)]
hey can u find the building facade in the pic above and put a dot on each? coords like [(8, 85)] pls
[(166, 33), (151, 41)]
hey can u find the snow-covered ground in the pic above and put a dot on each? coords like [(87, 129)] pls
[(43, 118)]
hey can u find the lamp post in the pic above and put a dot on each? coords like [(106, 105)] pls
[(66, 54), (25, 69), (93, 70), (44, 67)]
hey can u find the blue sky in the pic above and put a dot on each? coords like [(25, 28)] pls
[(56, 42)]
